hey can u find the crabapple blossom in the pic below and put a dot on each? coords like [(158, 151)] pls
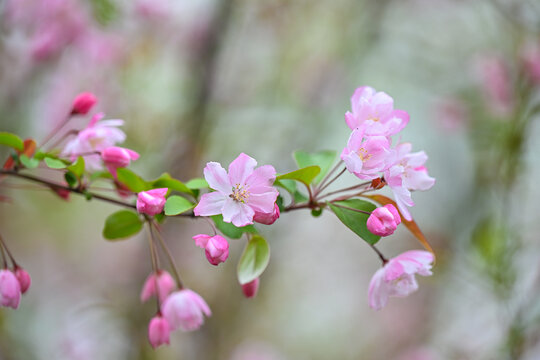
[(185, 310), (96, 137), (158, 283), (384, 220), (267, 218), (151, 202), (374, 112), (159, 331), (215, 247), (396, 277), (117, 157), (24, 279), (83, 103), (250, 289), (239, 193), (366, 156), (10, 289)]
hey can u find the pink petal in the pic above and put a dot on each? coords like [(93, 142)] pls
[(201, 240), (210, 204), (378, 291), (241, 168), (263, 202), (217, 178), (262, 176), (237, 213)]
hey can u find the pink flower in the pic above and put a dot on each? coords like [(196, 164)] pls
[(250, 289), (10, 289), (215, 247), (96, 137), (267, 218), (366, 156), (407, 173), (184, 309), (160, 283), (159, 331), (24, 279), (383, 221), (151, 202), (374, 112), (496, 81), (117, 157), (397, 279), (240, 193), (83, 103)]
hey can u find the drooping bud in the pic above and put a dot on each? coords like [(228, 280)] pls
[(250, 289), (117, 157), (184, 309), (159, 331), (216, 248), (267, 218), (24, 279), (160, 283), (383, 221), (83, 103), (10, 289), (151, 202)]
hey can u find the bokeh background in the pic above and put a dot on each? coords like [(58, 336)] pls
[(200, 81)]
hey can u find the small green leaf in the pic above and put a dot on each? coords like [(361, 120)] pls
[(100, 175), (304, 175), (40, 155), (11, 140), (28, 163), (176, 205), (55, 163), (122, 224), (166, 181), (324, 159), (230, 230), (316, 212), (78, 167), (71, 179), (356, 221), (133, 181), (254, 260), (290, 186), (197, 184)]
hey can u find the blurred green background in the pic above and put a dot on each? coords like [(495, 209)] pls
[(200, 81)]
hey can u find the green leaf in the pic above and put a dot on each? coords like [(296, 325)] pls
[(105, 11), (166, 181), (197, 184), (324, 159), (100, 175), (40, 155), (304, 175), (290, 186), (11, 140), (230, 230), (55, 163), (122, 224), (78, 167), (176, 205), (71, 179), (356, 221), (28, 163), (133, 181), (254, 260)]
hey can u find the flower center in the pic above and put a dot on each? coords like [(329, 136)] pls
[(239, 194), (363, 154)]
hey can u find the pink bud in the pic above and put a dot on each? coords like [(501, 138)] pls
[(24, 279), (63, 193), (216, 247), (10, 289), (383, 221), (151, 202), (250, 289), (159, 331), (184, 309), (83, 103), (267, 218), (117, 157), (160, 282)]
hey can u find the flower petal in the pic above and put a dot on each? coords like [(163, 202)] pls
[(241, 168), (217, 178), (210, 204)]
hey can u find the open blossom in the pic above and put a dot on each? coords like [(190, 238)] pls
[(267, 218), (96, 137), (151, 202), (83, 103), (240, 193), (407, 173), (159, 331), (158, 283), (366, 156), (384, 220), (116, 157), (250, 289), (215, 247), (374, 112), (10, 289), (185, 310), (397, 277)]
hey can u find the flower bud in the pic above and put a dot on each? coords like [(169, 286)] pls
[(10, 289), (216, 247), (83, 103), (267, 218), (160, 282), (159, 331), (117, 157), (151, 202), (184, 309), (383, 221), (250, 289), (24, 279)]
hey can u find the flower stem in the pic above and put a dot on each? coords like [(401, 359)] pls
[(345, 189), (55, 130), (321, 188), (169, 256), (329, 174), (381, 256), (352, 209), (4, 246)]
